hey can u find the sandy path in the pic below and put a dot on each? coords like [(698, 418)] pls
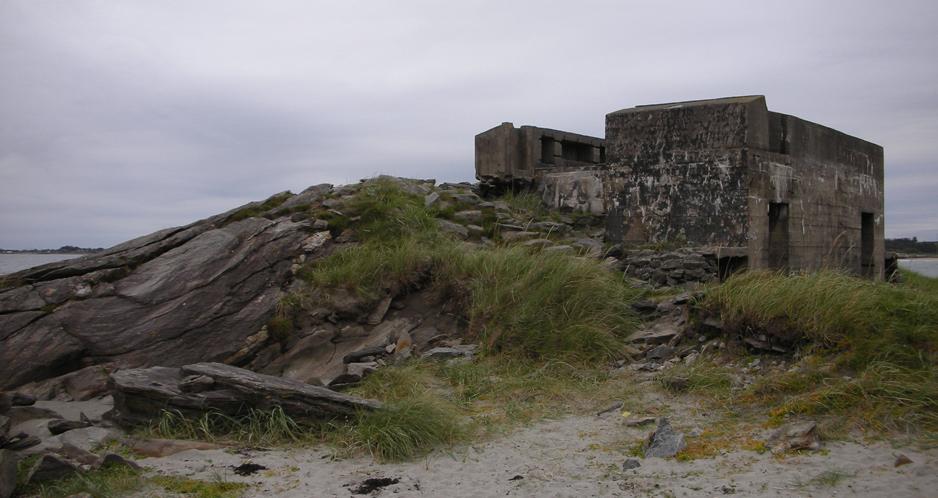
[(574, 457)]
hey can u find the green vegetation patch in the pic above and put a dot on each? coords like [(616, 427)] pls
[(701, 377), (259, 427), (107, 482), (403, 429), (874, 344), (387, 212), (542, 304), (200, 489), (866, 321)]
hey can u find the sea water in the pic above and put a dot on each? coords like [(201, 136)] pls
[(10, 263)]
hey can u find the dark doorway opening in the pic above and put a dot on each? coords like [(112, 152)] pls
[(867, 263), (778, 236), (728, 265)]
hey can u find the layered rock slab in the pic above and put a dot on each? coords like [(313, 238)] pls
[(177, 296), (140, 395)]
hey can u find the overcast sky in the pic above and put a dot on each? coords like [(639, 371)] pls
[(121, 117)]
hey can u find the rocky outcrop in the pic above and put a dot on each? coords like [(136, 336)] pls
[(140, 395), (177, 296)]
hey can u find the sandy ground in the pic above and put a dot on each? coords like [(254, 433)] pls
[(575, 457)]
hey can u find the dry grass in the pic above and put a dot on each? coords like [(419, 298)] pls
[(874, 344)]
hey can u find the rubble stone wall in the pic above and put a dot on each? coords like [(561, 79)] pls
[(671, 268)]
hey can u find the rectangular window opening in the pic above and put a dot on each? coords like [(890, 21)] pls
[(574, 151), (547, 150)]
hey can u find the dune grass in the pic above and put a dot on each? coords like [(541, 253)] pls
[(542, 304), (402, 429), (373, 269), (524, 201), (865, 321), (874, 347), (919, 282), (538, 304), (259, 427)]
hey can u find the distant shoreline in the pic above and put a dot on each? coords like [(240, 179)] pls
[(76, 250)]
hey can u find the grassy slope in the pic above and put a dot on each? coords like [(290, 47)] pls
[(541, 304), (873, 347)]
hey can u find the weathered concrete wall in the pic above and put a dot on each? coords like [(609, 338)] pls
[(498, 152), (828, 180), (678, 171), (509, 155), (574, 191)]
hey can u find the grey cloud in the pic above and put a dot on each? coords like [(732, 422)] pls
[(120, 118)]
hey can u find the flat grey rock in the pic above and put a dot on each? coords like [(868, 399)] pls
[(442, 353), (665, 442), (453, 228), (50, 467), (141, 394), (60, 426)]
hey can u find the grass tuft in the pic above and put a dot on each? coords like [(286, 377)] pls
[(542, 305), (387, 212), (883, 397), (405, 429), (256, 427), (372, 269)]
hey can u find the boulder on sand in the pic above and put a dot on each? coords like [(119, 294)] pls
[(665, 442), (141, 394)]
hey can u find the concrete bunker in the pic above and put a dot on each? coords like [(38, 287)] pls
[(509, 157), (769, 190)]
